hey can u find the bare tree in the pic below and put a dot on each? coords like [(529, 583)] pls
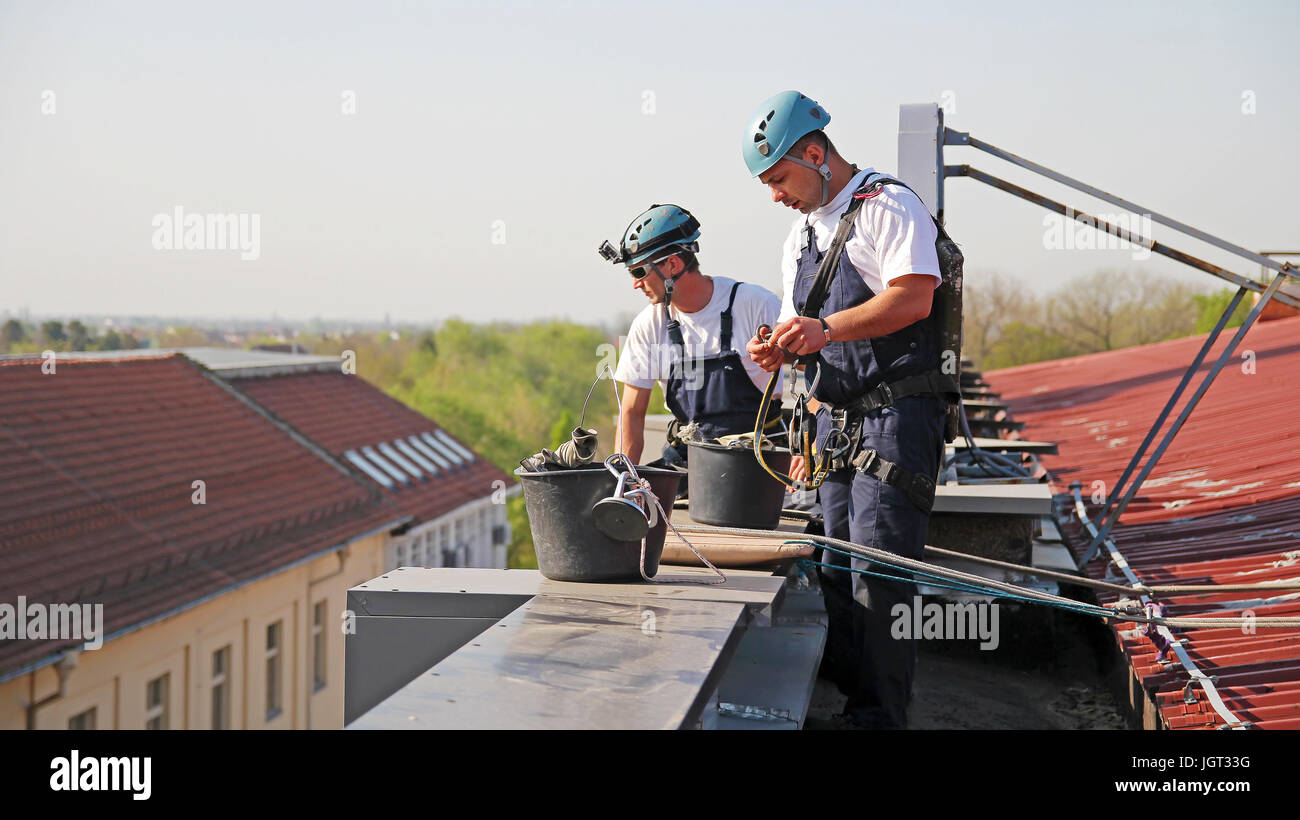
[(991, 302), (1088, 311)]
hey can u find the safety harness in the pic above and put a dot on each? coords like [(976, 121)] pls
[(843, 443)]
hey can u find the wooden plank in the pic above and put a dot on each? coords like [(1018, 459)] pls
[(571, 663)]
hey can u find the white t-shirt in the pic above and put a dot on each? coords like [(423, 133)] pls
[(894, 236), (647, 356)]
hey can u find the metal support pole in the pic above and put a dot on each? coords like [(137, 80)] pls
[(1194, 672), (1191, 405), (1118, 489), (952, 137), (1127, 236)]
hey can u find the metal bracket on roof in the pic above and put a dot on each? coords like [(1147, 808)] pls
[(952, 137), (1124, 492), (1237, 724), (1197, 676)]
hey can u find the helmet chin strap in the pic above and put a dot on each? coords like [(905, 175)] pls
[(668, 284), (824, 170)]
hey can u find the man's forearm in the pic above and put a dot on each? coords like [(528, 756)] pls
[(633, 427), (890, 310)]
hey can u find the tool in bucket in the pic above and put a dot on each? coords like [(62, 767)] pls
[(803, 430), (630, 513), (581, 447)]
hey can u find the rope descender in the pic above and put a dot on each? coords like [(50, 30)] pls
[(803, 429), (633, 510)]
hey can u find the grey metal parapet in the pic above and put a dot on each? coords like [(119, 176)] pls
[(480, 648)]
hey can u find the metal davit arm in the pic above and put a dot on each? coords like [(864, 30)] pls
[(1129, 236)]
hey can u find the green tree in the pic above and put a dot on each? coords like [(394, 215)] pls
[(1210, 306), (429, 343), (506, 391), (1020, 343), (12, 331), (78, 335), (52, 331)]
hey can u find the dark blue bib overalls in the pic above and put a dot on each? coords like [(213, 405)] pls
[(714, 391), (874, 669)]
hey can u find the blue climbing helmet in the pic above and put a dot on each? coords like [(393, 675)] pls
[(776, 126), (656, 233)]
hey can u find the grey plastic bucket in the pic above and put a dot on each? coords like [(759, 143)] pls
[(729, 488), (567, 543)]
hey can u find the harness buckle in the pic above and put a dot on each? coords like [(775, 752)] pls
[(887, 395)]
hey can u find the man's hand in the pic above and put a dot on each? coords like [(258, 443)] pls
[(798, 471), (765, 354), (800, 335)]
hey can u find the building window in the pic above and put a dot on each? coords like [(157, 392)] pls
[(83, 721), (221, 688), (273, 640), (155, 702), (318, 613)]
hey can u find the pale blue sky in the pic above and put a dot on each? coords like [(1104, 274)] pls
[(532, 114)]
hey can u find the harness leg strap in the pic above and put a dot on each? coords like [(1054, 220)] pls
[(918, 488)]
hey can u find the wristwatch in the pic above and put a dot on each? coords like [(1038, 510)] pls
[(826, 328)]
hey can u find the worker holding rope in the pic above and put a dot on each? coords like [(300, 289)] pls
[(860, 270), (688, 337)]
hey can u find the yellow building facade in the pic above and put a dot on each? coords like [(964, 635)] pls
[(267, 655)]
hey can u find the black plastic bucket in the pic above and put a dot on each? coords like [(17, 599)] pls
[(567, 543), (729, 488)]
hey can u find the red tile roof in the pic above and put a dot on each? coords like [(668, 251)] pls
[(1222, 506), (97, 463), (344, 412)]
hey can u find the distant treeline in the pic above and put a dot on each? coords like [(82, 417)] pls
[(22, 337), (1005, 324)]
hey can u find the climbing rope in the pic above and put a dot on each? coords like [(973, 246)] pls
[(1002, 589)]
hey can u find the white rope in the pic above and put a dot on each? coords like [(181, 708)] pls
[(643, 491)]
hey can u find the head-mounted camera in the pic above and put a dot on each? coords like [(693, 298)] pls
[(609, 252)]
